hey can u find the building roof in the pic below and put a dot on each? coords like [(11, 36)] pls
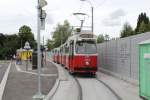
[(145, 42)]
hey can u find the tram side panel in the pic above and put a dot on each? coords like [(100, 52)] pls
[(60, 56), (57, 58), (71, 54), (66, 57), (67, 61), (63, 60), (53, 56)]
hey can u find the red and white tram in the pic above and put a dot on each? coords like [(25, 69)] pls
[(79, 53)]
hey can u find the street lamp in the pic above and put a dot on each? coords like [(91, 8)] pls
[(41, 15), (27, 47), (92, 19)]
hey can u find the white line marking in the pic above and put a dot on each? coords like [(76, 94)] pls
[(4, 81), (33, 73), (62, 75), (53, 90)]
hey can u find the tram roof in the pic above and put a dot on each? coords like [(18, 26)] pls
[(76, 35), (83, 34)]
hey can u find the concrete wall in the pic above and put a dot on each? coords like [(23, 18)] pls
[(121, 56)]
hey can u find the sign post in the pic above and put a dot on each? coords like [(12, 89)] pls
[(41, 15)]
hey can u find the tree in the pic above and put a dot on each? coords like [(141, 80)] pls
[(61, 33), (25, 34), (10, 43), (100, 38), (126, 31), (142, 18), (50, 44), (106, 37), (144, 27), (2, 38), (9, 47)]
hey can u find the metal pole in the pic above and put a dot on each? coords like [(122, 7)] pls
[(45, 56), (92, 13), (26, 60), (39, 49), (92, 19), (81, 24), (43, 53), (39, 95), (21, 43)]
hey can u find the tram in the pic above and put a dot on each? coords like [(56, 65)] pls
[(78, 54), (55, 55)]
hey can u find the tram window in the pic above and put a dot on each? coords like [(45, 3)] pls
[(66, 49), (71, 51), (86, 47), (80, 44), (72, 48), (60, 50)]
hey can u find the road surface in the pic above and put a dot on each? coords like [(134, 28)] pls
[(3, 68)]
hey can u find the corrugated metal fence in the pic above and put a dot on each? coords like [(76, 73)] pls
[(121, 56)]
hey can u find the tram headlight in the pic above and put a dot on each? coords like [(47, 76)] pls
[(87, 63)]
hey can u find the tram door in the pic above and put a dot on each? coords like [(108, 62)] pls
[(71, 54)]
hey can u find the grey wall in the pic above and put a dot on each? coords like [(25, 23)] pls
[(121, 56)]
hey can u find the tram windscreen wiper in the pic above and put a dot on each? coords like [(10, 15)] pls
[(86, 47)]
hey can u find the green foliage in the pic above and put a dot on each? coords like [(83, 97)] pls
[(144, 27), (142, 18), (126, 31), (100, 38), (10, 43), (61, 33), (2, 38), (50, 44), (25, 34)]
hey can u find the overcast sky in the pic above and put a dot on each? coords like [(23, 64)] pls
[(109, 15)]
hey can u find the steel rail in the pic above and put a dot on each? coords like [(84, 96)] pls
[(80, 97), (106, 85)]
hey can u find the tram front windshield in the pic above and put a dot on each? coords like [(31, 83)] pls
[(86, 47)]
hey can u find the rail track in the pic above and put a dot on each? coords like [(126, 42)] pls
[(89, 88), (79, 90), (94, 89)]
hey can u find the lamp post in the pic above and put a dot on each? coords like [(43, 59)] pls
[(46, 54), (40, 25), (27, 48), (92, 13)]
